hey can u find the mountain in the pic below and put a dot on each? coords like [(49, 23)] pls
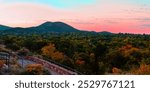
[(2, 27), (46, 28), (55, 27)]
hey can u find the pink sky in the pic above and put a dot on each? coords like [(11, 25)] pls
[(103, 15)]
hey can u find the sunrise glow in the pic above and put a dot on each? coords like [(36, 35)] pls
[(126, 16)]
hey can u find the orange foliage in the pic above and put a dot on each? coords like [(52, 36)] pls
[(128, 50), (142, 70), (57, 56), (128, 47), (1, 64), (50, 51), (80, 62), (116, 70), (35, 68)]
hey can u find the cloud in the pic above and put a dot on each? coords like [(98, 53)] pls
[(146, 25), (143, 19)]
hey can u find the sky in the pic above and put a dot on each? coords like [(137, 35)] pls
[(125, 16)]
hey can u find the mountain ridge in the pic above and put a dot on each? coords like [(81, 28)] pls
[(48, 27), (3, 27)]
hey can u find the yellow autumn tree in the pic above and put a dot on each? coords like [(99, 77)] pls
[(51, 52), (57, 56), (48, 50)]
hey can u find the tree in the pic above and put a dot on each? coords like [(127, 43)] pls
[(99, 52), (13, 46), (65, 46), (116, 59), (51, 52), (142, 70), (132, 54), (83, 63), (48, 50)]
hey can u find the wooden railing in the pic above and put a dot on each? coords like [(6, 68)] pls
[(52, 67)]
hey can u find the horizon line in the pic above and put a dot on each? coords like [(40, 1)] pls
[(35, 25)]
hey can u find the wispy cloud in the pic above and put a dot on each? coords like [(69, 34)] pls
[(142, 19), (146, 25)]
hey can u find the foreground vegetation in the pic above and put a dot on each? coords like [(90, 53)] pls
[(88, 53)]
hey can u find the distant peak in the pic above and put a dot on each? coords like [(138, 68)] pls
[(59, 22), (3, 25), (48, 22)]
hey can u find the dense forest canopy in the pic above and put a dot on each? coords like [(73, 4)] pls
[(87, 52)]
